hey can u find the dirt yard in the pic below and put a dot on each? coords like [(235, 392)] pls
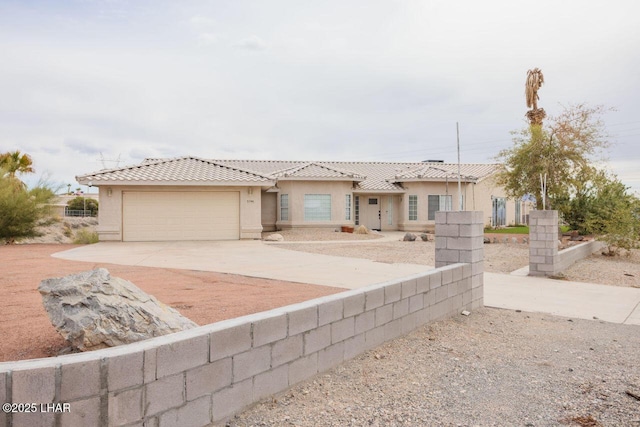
[(203, 297), (207, 297)]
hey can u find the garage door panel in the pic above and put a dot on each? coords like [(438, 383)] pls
[(157, 216)]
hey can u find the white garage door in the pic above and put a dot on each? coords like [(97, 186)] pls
[(173, 215)]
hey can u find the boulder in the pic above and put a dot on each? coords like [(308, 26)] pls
[(409, 237), (425, 237), (274, 238), (93, 310), (487, 240)]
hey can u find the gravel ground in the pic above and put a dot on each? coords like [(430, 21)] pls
[(499, 257), (493, 368), (618, 271)]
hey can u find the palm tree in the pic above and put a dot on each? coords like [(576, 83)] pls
[(535, 79), (13, 162)]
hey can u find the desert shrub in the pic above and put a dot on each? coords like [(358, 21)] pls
[(85, 237), (613, 214), (22, 209)]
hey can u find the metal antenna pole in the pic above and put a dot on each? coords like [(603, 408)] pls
[(459, 184)]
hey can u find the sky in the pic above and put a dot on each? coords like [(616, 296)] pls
[(93, 84)]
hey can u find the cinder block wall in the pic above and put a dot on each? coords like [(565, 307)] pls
[(543, 243), (460, 238), (207, 374), (569, 256), (544, 257)]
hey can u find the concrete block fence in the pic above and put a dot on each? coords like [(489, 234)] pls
[(206, 374), (544, 257), (569, 256), (543, 243)]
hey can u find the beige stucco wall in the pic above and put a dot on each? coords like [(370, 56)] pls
[(297, 190), (269, 211), (423, 190), (110, 213), (477, 197), (483, 192)]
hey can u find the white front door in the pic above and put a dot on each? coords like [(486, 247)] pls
[(371, 210)]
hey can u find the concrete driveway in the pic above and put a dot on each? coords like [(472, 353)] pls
[(258, 259), (246, 257)]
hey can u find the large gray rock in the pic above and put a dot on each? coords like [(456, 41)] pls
[(93, 310), (409, 237)]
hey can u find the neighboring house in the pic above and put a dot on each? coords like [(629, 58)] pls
[(59, 204), (189, 198)]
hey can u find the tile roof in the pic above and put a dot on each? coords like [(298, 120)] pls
[(177, 170), (317, 170), (442, 171), (368, 176)]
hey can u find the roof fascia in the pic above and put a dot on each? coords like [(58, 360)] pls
[(265, 183)]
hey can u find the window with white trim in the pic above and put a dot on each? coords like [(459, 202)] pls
[(317, 207), (357, 210), (347, 207), (413, 208), (284, 207), (438, 203)]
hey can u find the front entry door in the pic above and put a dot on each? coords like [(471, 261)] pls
[(372, 213)]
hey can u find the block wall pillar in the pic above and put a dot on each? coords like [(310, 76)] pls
[(543, 243), (460, 239)]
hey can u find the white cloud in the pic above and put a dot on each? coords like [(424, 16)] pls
[(254, 43), (208, 38), (351, 80), (202, 22)]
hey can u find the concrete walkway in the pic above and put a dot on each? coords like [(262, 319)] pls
[(273, 261)]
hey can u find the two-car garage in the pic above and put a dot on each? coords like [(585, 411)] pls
[(180, 215)]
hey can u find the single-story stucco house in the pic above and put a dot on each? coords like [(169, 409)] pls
[(189, 198)]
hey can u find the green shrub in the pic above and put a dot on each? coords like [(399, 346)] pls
[(85, 237), (22, 209)]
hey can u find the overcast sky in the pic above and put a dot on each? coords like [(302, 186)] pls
[(84, 80)]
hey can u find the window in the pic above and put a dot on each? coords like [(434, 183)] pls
[(317, 207), (373, 201), (284, 207), (390, 210), (413, 208), (357, 210), (499, 211), (347, 207), (438, 203), (518, 214)]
